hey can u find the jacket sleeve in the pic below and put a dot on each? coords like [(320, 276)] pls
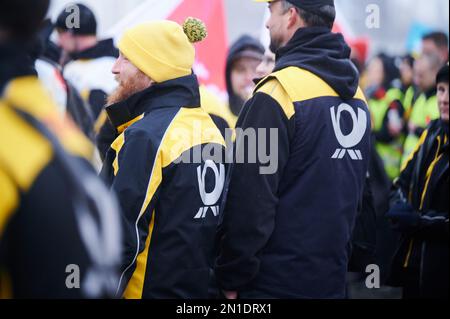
[(252, 197), (136, 172), (400, 189), (364, 234), (44, 249), (434, 224)]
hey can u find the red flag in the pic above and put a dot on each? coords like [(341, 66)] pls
[(212, 52)]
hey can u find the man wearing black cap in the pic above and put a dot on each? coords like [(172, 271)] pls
[(419, 210), (87, 61), (286, 232), (56, 239)]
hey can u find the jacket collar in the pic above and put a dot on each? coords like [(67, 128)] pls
[(180, 92), (431, 92), (104, 48)]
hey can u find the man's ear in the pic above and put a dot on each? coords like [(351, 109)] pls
[(294, 20)]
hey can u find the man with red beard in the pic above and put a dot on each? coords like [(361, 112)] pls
[(165, 165)]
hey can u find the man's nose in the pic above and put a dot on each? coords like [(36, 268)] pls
[(116, 67)]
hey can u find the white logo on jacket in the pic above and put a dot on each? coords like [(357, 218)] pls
[(348, 142), (210, 200)]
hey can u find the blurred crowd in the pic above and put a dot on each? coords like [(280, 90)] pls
[(402, 224)]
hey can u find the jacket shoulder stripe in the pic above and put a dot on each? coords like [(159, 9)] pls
[(274, 89), (24, 153), (191, 127), (416, 150), (428, 176), (293, 78), (117, 147), (27, 94)]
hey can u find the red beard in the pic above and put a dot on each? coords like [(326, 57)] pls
[(128, 88)]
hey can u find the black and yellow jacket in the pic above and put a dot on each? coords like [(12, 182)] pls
[(169, 193), (287, 234), (49, 219), (424, 183)]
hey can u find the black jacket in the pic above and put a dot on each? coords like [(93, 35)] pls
[(49, 196), (424, 183), (287, 234), (169, 196)]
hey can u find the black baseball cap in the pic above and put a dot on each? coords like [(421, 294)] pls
[(312, 6), (88, 22)]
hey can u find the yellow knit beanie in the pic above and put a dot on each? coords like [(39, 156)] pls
[(163, 50)]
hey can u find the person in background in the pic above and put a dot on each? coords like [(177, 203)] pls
[(425, 109), (387, 112), (420, 208), (243, 59), (59, 225), (217, 109), (86, 60), (45, 54), (407, 83), (267, 64), (436, 43)]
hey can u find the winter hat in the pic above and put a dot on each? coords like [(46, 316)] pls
[(163, 50)]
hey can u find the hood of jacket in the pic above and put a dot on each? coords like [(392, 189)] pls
[(323, 53)]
